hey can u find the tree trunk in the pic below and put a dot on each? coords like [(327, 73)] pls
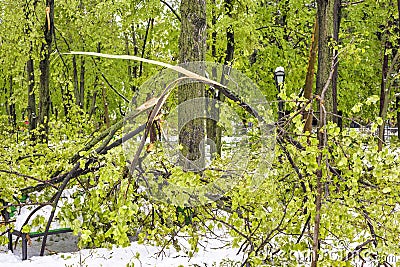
[(308, 88), (32, 118), (103, 95), (230, 35), (149, 24), (325, 52), (129, 69), (12, 113), (210, 92), (398, 114), (385, 68), (398, 96), (105, 106), (385, 83), (67, 99), (82, 84), (336, 27), (387, 87), (214, 132), (135, 52), (95, 86), (325, 15), (44, 93), (192, 45), (93, 103), (76, 81)]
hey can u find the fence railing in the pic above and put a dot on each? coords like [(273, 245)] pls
[(388, 133)]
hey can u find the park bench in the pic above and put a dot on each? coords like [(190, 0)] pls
[(25, 237)]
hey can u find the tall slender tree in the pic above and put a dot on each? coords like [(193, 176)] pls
[(44, 65), (325, 13), (325, 51), (30, 72)]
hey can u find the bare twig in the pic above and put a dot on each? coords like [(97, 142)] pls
[(172, 10), (357, 250)]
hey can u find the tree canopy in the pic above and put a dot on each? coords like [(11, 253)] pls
[(330, 191)]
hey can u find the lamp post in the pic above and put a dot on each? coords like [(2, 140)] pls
[(279, 76)]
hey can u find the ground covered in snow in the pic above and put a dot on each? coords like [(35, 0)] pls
[(62, 250)]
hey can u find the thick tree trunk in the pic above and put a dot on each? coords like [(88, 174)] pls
[(44, 93), (192, 45)]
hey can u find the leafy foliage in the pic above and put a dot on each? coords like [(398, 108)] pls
[(273, 223)]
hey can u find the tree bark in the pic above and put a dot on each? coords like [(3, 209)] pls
[(129, 68), (76, 81), (386, 81), (95, 86), (336, 27), (192, 45), (210, 92), (230, 35), (325, 13), (325, 52), (82, 84), (135, 51), (44, 65), (67, 99), (214, 132), (32, 116), (387, 87), (12, 113), (398, 115), (308, 88), (385, 68), (105, 106), (398, 96), (149, 24)]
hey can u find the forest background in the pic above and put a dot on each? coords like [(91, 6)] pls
[(331, 187)]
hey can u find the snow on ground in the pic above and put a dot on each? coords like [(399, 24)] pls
[(62, 250)]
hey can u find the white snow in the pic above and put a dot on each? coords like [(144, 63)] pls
[(62, 250)]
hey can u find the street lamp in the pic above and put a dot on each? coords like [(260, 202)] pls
[(279, 76)]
